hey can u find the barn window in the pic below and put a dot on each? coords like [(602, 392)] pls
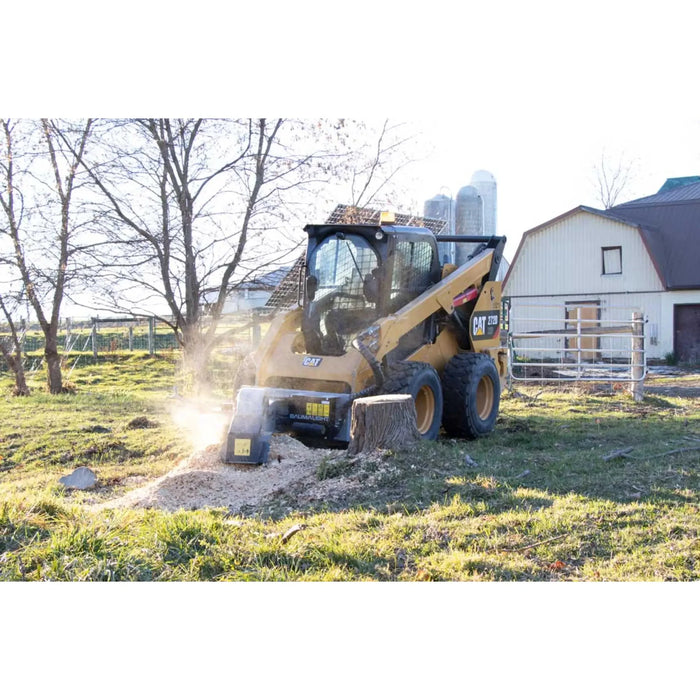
[(612, 261)]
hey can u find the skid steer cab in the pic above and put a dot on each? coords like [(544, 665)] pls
[(377, 314)]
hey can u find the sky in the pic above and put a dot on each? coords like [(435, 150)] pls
[(533, 92)]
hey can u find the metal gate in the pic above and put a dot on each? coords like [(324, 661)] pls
[(575, 341)]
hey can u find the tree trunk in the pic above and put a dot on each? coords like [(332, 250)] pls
[(53, 367), (382, 422), (195, 361), (21, 388), (14, 362)]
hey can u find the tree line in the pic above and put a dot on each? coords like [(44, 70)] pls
[(126, 214)]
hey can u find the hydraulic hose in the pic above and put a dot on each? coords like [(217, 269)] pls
[(375, 366)]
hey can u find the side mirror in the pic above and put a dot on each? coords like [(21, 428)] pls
[(311, 287)]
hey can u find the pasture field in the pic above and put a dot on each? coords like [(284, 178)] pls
[(575, 484)]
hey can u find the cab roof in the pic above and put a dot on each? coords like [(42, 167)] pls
[(319, 230)]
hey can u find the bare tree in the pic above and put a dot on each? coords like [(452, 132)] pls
[(11, 350), (189, 208), (377, 163), (613, 176), (39, 183), (193, 207)]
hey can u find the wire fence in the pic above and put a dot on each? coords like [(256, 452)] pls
[(88, 340)]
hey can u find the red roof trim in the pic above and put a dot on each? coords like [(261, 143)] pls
[(652, 257)]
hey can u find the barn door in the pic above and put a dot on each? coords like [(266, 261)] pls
[(589, 314), (686, 332)]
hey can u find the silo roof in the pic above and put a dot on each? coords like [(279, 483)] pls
[(468, 190), (483, 176)]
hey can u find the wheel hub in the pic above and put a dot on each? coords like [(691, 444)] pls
[(484, 398), (425, 409)]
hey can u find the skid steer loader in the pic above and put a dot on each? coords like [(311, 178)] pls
[(377, 314)]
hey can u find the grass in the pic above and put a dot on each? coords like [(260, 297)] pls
[(535, 501), (43, 436)]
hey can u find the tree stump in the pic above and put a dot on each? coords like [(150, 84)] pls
[(382, 422)]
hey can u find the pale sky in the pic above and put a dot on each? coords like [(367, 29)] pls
[(535, 92), (532, 92), (544, 164)]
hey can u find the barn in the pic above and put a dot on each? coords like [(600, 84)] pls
[(600, 265)]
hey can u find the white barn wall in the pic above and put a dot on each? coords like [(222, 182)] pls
[(565, 257), (562, 263)]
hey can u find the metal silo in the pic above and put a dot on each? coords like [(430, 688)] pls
[(469, 220), (442, 207), (485, 183)]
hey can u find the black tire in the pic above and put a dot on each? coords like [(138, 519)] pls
[(422, 382), (472, 391)]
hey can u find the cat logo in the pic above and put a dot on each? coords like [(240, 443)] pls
[(311, 361), (485, 325)]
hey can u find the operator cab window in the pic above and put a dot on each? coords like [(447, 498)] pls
[(340, 266), (411, 272), (340, 307)]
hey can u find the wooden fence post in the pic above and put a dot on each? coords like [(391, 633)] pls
[(131, 338), (151, 335), (94, 338), (637, 357), (579, 356)]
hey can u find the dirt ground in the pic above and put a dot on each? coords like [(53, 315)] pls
[(673, 382)]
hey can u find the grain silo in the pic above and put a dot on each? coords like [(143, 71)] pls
[(469, 220), (485, 184), (442, 207)]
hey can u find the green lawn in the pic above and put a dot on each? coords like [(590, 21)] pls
[(535, 501)]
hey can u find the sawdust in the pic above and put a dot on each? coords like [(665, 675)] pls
[(203, 481)]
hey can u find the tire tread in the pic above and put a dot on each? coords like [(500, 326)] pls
[(458, 385)]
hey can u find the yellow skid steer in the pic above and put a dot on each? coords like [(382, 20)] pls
[(377, 314)]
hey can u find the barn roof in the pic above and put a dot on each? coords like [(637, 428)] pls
[(669, 224)]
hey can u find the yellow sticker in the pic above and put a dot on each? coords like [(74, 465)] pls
[(318, 410), (241, 447)]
